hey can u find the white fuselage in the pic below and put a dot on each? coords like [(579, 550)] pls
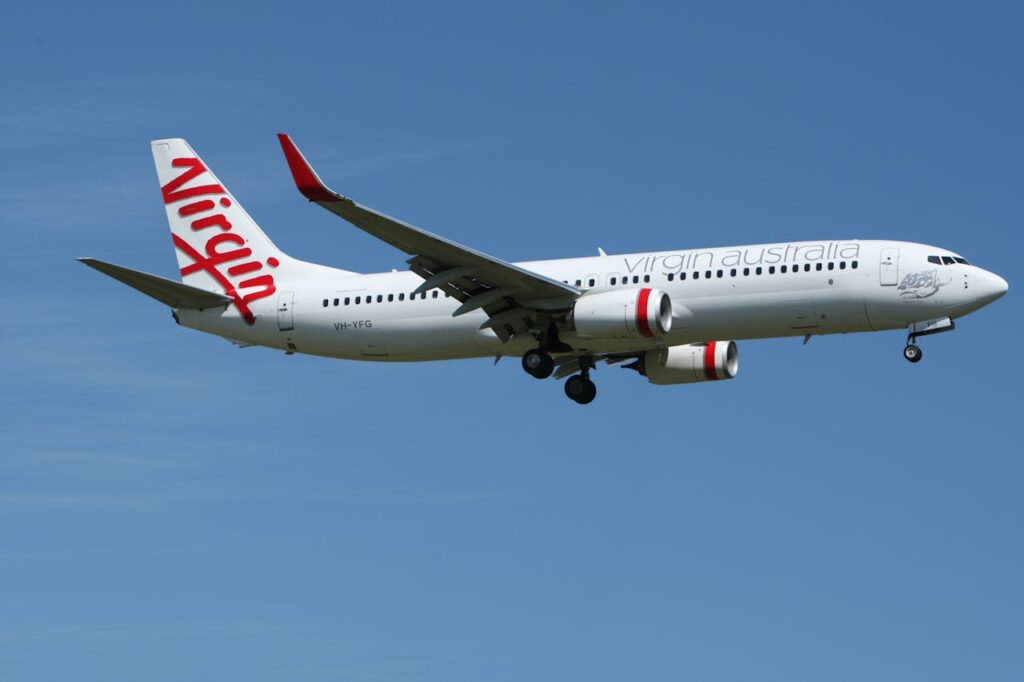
[(744, 292)]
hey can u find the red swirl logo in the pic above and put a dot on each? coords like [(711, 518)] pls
[(223, 247)]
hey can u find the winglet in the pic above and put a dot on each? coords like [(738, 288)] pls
[(306, 179)]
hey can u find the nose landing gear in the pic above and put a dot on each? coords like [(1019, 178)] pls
[(912, 352)]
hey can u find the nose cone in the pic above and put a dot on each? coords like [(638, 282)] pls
[(990, 286)]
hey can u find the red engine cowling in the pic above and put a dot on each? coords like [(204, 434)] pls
[(623, 314), (694, 362)]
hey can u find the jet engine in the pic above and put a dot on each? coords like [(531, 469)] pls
[(687, 364), (623, 314)]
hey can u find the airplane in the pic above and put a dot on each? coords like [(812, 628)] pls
[(671, 316)]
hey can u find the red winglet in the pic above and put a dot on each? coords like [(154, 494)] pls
[(305, 177)]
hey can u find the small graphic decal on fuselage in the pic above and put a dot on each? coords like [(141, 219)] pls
[(921, 284)]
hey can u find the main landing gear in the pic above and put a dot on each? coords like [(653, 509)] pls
[(580, 388), (538, 364)]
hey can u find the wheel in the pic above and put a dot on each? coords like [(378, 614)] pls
[(538, 364), (581, 389), (912, 353)]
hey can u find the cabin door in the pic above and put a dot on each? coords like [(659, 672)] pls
[(888, 268)]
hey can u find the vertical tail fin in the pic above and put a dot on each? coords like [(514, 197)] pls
[(219, 246)]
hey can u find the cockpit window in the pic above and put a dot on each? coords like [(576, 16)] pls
[(961, 261), (947, 260), (935, 259)]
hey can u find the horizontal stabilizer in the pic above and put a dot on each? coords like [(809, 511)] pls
[(168, 292)]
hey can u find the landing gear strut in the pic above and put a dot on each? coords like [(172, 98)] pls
[(925, 328), (538, 362)]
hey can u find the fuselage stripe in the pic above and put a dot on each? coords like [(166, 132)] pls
[(641, 313), (709, 361)]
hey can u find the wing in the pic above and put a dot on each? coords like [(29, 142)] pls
[(515, 299)]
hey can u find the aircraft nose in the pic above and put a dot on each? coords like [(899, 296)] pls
[(991, 287)]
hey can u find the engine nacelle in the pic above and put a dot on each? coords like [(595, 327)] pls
[(623, 314), (711, 361)]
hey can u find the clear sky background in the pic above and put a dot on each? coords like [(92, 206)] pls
[(172, 507)]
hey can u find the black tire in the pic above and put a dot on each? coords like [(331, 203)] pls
[(912, 353), (580, 389), (537, 364)]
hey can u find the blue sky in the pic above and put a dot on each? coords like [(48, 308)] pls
[(172, 507)]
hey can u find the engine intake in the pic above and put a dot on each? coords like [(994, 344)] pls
[(711, 361), (623, 314)]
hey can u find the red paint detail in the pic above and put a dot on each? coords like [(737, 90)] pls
[(641, 313), (251, 266), (195, 207), (225, 202), (273, 262), (305, 178), (709, 361), (172, 190), (217, 219), (214, 258)]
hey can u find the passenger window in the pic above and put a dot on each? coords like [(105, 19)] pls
[(347, 300), (636, 279), (842, 265), (947, 260), (590, 282), (853, 265), (336, 303), (817, 267), (771, 269), (732, 273), (579, 282), (935, 259), (325, 302), (758, 271), (380, 298), (647, 278), (746, 272), (831, 266), (696, 275), (401, 297), (682, 276), (671, 276), (391, 297), (423, 296), (612, 281), (358, 299), (782, 269), (707, 274)]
